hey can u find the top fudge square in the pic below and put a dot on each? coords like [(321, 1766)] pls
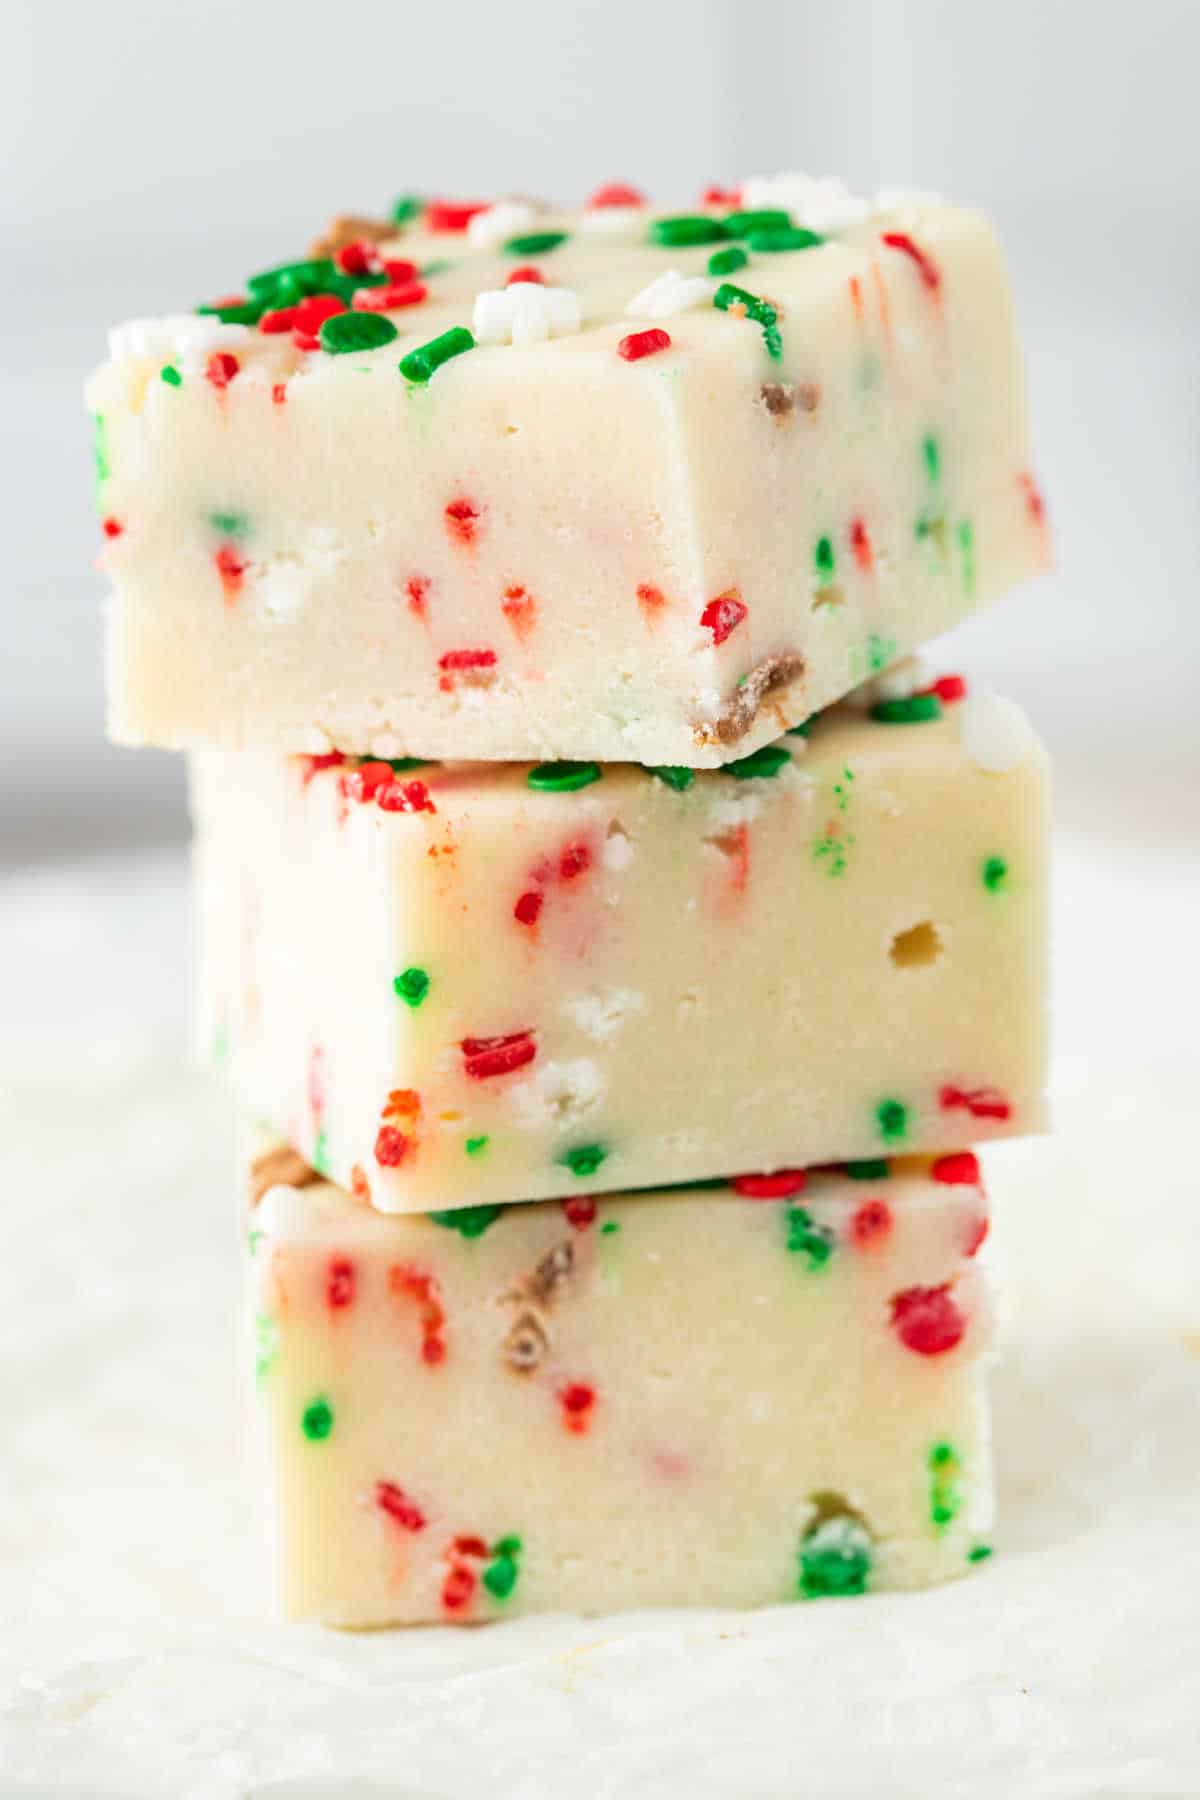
[(500, 483)]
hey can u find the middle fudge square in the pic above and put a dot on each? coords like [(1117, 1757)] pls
[(468, 984)]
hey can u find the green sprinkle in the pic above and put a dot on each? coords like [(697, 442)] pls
[(229, 524), (824, 560), (917, 709), (740, 224), (500, 1575), (242, 312), (964, 531), (932, 457), (686, 228), (674, 774), (316, 1421), (477, 1145), (468, 1221), (420, 364), (994, 873), (806, 1238), (562, 777), (835, 1557), (438, 266), (412, 985), (728, 261), (400, 765), (802, 730), (584, 1160), (873, 1168), (979, 1553), (320, 1158), (346, 286), (880, 652), (171, 375), (771, 239), (350, 331), (289, 282), (609, 1227), (266, 1341), (761, 311), (535, 243), (405, 208), (891, 1119), (100, 460), (945, 1496), (762, 764)]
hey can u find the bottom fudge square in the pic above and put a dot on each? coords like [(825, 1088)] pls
[(731, 1395)]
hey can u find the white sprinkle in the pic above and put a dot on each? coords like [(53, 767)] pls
[(525, 313), (190, 337), (670, 294), (824, 204), (559, 1094), (508, 218), (994, 732), (602, 1013), (617, 853), (622, 223)]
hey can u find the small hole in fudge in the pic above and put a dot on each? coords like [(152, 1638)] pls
[(917, 947)]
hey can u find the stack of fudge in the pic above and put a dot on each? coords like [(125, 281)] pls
[(617, 941)]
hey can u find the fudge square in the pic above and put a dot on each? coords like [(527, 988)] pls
[(471, 984), (729, 1397), (686, 481)]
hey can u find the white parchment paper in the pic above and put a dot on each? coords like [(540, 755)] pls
[(134, 1660)]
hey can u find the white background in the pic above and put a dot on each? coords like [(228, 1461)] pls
[(155, 153)]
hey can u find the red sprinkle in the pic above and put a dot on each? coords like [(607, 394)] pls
[(650, 598), (417, 589), (391, 1147), (926, 268), (405, 797), (981, 1103), (281, 318), (721, 196), (340, 1283), (577, 1400), (575, 860), (415, 1284), (457, 1588), (856, 296), (357, 259), (484, 1057), (948, 688), (390, 298), (468, 1546), (221, 368), (959, 1170), (364, 782), (615, 193), (397, 269), (927, 1320), (860, 544), (770, 1187), (1033, 498), (723, 615), (396, 1504), (452, 215), (231, 569), (528, 908), (581, 1211), (526, 272), (306, 340), (310, 314), (111, 527), (279, 392), (456, 660), (870, 1223), (976, 1235), (462, 520), (643, 343), (312, 765), (360, 1187), (520, 609)]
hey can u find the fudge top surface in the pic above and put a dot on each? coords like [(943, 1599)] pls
[(517, 275)]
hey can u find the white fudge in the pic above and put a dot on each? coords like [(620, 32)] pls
[(467, 983), (726, 1398), (647, 512)]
